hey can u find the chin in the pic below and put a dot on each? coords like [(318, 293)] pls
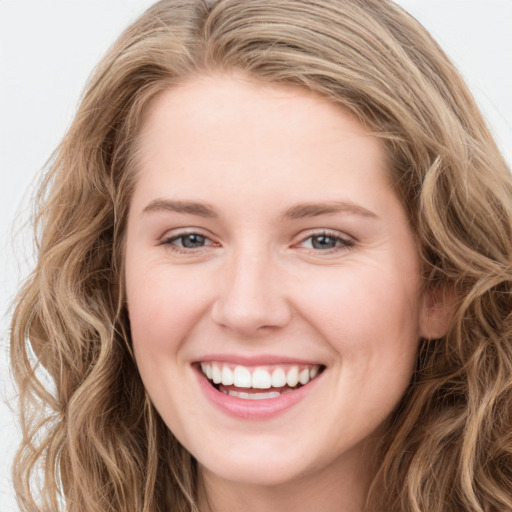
[(262, 464), (260, 474)]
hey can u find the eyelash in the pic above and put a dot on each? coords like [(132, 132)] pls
[(341, 243), (171, 242)]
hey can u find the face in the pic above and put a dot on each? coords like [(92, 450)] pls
[(273, 281)]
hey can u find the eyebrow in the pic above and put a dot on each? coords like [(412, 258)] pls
[(189, 207), (299, 211), (305, 210)]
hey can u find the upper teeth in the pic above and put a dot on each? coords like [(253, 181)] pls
[(259, 378)]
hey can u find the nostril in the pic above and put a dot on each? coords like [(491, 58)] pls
[(250, 298), (250, 318)]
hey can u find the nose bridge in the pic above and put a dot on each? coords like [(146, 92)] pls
[(251, 295)]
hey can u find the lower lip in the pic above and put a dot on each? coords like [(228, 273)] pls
[(254, 409)]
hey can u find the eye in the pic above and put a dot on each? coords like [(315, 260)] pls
[(187, 241), (326, 242)]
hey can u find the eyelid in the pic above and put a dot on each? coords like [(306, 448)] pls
[(347, 242), (344, 241), (170, 236)]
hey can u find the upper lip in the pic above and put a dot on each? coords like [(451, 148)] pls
[(260, 360)]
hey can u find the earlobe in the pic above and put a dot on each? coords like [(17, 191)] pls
[(438, 310)]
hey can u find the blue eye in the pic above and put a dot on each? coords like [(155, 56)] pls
[(187, 241), (326, 242), (192, 241)]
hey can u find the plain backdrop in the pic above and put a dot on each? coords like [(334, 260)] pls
[(47, 51)]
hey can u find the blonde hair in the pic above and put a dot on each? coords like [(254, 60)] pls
[(96, 436)]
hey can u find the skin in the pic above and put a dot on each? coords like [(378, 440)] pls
[(259, 282)]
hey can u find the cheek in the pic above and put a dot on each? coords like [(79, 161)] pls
[(162, 317), (365, 312), (370, 320), (163, 307)]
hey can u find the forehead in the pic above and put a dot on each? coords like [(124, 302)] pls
[(235, 121), (237, 109)]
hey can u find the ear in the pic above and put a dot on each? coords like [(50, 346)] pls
[(437, 311)]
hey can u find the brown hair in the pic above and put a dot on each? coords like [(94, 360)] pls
[(100, 443)]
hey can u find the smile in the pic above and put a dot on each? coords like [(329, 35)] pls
[(249, 382)]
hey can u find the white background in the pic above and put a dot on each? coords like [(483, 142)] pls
[(47, 51)]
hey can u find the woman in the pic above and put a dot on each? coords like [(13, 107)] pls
[(274, 273)]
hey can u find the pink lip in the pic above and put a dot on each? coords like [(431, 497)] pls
[(260, 360), (253, 409)]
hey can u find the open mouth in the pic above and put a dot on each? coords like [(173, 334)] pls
[(261, 382)]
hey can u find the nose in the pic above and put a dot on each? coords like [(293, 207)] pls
[(251, 297)]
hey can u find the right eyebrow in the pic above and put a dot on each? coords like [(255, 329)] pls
[(188, 207), (304, 210)]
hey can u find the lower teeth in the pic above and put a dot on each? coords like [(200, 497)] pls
[(259, 395), (254, 396)]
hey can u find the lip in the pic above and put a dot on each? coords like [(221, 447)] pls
[(253, 409), (261, 360)]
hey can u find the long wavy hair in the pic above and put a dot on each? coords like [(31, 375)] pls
[(92, 440)]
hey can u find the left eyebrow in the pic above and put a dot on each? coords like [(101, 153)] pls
[(304, 210), (187, 207)]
